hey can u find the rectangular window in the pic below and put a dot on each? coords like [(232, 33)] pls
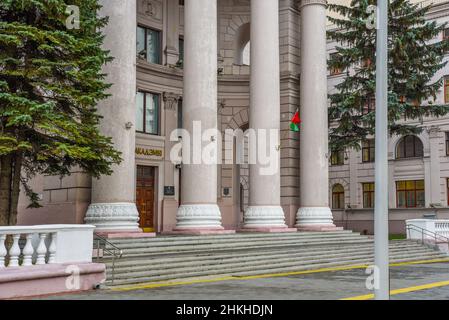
[(181, 49), (149, 45), (368, 147), (446, 89), (368, 105), (180, 113), (338, 158), (447, 189), (335, 71), (147, 113), (368, 195), (410, 194), (447, 143)]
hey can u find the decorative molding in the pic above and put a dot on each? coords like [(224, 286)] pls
[(433, 131), (314, 216), (170, 100), (194, 216), (113, 216), (151, 9), (148, 7), (264, 216), (304, 3)]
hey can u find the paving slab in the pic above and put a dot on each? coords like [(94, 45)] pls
[(328, 285)]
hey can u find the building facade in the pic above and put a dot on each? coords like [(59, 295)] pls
[(177, 62), (231, 64), (418, 166)]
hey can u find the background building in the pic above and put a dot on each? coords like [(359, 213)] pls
[(418, 165)]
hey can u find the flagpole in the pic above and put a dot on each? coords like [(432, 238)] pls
[(381, 254)]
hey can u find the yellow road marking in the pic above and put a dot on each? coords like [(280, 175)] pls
[(153, 285), (404, 290)]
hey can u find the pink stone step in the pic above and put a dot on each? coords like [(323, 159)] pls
[(21, 282)]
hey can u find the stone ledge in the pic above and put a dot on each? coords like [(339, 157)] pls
[(313, 228), (198, 232), (21, 282), (268, 230), (126, 235)]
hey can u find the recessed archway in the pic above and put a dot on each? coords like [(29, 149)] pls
[(242, 45)]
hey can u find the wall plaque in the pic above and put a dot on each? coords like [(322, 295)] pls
[(169, 191)]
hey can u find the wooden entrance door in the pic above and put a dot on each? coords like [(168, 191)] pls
[(145, 196)]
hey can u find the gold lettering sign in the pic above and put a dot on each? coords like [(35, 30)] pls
[(149, 152)]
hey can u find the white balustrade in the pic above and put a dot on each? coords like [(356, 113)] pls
[(45, 244), (432, 226), (442, 227)]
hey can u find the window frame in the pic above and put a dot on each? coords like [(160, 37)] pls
[(370, 149), (447, 142), (370, 194), (158, 113), (181, 57), (339, 156), (335, 71), (339, 197), (446, 88), (160, 53), (403, 142), (415, 191), (368, 104)]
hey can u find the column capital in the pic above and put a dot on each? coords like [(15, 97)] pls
[(170, 99), (303, 3)]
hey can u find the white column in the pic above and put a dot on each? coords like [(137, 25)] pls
[(314, 213), (113, 207), (265, 211), (199, 209)]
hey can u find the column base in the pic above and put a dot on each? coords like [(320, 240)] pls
[(120, 217), (264, 217), (315, 219), (193, 217)]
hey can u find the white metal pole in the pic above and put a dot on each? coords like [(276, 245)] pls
[(381, 258)]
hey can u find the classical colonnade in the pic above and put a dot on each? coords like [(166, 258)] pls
[(113, 207)]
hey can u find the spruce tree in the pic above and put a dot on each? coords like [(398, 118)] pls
[(50, 84), (416, 51)]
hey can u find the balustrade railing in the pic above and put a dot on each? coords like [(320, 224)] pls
[(45, 244), (428, 230)]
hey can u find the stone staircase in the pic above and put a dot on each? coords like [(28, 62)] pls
[(167, 258)]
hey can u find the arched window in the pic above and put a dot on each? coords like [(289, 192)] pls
[(338, 197), (409, 147)]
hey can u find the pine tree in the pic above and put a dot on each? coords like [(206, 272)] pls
[(50, 84), (416, 51)]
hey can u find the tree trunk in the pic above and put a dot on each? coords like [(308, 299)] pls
[(15, 190), (5, 188)]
